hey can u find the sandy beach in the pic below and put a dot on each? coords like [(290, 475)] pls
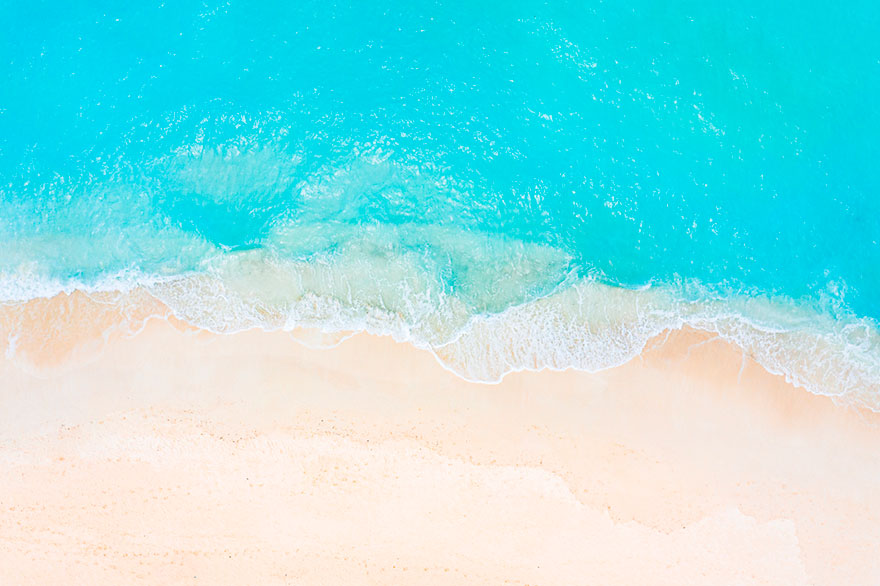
[(157, 454)]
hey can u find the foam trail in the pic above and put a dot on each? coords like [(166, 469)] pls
[(582, 324)]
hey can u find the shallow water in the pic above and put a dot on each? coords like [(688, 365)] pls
[(482, 174)]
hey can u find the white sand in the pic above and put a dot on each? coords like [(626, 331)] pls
[(180, 457)]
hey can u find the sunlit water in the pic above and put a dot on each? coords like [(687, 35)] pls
[(513, 184)]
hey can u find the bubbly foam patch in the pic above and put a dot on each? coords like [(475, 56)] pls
[(583, 324), (580, 323)]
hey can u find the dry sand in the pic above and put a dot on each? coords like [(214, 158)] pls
[(172, 456)]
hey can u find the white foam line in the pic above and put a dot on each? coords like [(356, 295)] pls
[(750, 336)]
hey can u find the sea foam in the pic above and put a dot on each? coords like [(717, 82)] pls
[(568, 321)]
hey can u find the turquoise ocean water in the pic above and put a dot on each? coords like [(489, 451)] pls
[(511, 184)]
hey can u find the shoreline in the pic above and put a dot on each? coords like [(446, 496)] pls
[(575, 334), (174, 453)]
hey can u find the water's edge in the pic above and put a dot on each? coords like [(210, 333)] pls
[(582, 324)]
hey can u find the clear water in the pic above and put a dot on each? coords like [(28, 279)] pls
[(428, 168)]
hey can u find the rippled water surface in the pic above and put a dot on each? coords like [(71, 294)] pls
[(566, 178)]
